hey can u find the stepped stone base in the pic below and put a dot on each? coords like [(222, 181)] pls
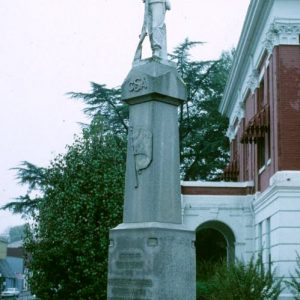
[(151, 261)]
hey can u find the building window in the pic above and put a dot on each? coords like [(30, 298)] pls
[(246, 166), (268, 112), (259, 239), (261, 150), (260, 96), (268, 136)]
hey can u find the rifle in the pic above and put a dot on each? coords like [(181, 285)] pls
[(138, 52)]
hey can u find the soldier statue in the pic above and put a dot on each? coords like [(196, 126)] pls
[(154, 26)]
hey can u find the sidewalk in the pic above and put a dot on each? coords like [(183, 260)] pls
[(26, 296)]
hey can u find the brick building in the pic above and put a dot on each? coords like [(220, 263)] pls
[(259, 209)]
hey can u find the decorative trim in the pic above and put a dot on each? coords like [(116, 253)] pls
[(253, 80), (231, 133), (241, 110), (282, 32)]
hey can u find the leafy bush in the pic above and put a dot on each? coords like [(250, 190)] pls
[(205, 272), (240, 281), (294, 283)]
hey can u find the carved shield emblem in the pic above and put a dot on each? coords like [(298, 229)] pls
[(141, 141)]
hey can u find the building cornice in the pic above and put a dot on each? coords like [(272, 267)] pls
[(257, 14), (282, 31), (268, 23)]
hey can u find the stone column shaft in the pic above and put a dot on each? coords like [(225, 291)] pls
[(153, 194)]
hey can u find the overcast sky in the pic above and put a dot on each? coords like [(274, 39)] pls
[(51, 47)]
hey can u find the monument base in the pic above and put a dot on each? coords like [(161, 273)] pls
[(151, 261)]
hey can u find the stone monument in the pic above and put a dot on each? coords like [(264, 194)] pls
[(151, 254)]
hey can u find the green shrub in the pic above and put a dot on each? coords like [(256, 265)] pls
[(204, 289), (294, 283), (205, 272), (240, 281)]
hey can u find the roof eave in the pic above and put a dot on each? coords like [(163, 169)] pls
[(255, 19)]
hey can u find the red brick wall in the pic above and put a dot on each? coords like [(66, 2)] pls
[(232, 191), (288, 105), (281, 90)]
